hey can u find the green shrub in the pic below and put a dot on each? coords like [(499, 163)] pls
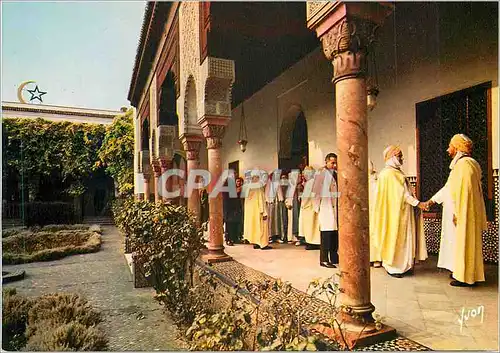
[(53, 322), (68, 337), (13, 231), (15, 310), (57, 309), (167, 241)]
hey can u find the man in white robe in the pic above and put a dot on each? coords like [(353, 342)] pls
[(394, 230), (326, 205)]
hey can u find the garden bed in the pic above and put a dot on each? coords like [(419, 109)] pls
[(52, 322), (49, 243)]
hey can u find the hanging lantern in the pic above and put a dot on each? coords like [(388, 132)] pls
[(372, 88), (242, 138)]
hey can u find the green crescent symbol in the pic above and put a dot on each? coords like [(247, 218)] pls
[(20, 90)]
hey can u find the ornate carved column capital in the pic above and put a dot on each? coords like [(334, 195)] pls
[(165, 164), (191, 144), (214, 135), (213, 129), (347, 44), (155, 166)]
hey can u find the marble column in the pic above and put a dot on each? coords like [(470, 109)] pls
[(346, 31), (213, 130), (147, 191), (192, 144), (166, 164), (156, 187)]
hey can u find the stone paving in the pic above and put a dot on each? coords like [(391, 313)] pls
[(133, 321), (422, 307)]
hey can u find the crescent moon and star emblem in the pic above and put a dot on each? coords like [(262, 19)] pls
[(35, 92)]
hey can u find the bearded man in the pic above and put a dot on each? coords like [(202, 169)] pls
[(396, 240)]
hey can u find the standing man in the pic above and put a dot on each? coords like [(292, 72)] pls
[(396, 240), (308, 218), (464, 216), (233, 214), (256, 230), (326, 205)]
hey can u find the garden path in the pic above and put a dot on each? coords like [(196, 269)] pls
[(133, 321)]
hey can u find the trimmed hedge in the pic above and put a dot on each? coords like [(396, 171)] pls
[(49, 245), (52, 322)]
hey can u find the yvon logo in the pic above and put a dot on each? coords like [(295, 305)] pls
[(471, 313)]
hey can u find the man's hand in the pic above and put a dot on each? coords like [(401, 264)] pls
[(454, 220), (423, 206)]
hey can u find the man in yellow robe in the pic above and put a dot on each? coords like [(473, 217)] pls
[(255, 216), (464, 216), (397, 240), (308, 219)]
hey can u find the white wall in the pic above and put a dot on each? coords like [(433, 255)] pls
[(416, 64), (307, 84)]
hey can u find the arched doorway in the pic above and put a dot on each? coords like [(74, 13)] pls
[(145, 135), (167, 110), (294, 143), (190, 108)]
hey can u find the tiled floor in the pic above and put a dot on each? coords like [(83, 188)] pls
[(422, 307)]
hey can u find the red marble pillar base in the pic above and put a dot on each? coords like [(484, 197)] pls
[(213, 256), (348, 339)]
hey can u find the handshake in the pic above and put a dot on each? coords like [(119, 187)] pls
[(425, 206)]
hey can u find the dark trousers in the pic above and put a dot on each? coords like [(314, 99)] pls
[(233, 231), (328, 251)]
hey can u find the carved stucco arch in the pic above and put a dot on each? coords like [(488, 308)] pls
[(190, 103), (286, 130)]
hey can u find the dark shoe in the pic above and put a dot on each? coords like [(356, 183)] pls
[(229, 243), (244, 241), (396, 275), (456, 283), (256, 246), (266, 248), (327, 264), (309, 247)]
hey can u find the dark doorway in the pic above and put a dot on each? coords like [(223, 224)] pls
[(468, 112), (145, 135), (235, 166), (294, 143), (167, 111)]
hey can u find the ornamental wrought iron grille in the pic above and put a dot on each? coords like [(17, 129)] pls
[(466, 112)]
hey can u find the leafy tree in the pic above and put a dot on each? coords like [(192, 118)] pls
[(62, 153), (117, 151)]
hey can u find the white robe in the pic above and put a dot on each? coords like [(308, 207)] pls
[(325, 206), (446, 258), (404, 260)]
